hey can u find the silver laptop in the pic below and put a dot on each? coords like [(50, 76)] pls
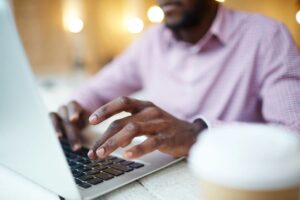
[(28, 144)]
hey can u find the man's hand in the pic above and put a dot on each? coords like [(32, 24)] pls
[(69, 121), (164, 132)]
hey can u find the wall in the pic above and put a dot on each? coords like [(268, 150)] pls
[(282, 10), (39, 24)]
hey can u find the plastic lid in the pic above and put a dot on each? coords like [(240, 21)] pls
[(247, 156)]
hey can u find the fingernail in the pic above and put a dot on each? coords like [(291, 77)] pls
[(128, 155), (74, 118), (76, 147), (100, 152), (90, 154), (59, 134), (93, 118)]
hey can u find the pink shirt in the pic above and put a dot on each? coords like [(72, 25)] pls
[(245, 69)]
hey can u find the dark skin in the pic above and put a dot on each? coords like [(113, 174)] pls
[(69, 121), (164, 132), (174, 10)]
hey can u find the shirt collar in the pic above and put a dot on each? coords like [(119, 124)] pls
[(218, 29)]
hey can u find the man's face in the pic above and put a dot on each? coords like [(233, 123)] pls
[(182, 13)]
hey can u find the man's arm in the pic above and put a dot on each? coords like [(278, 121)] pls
[(280, 87), (279, 77), (119, 78)]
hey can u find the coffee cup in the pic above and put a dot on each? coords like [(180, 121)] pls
[(247, 162)]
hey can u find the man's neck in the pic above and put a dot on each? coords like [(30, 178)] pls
[(195, 33)]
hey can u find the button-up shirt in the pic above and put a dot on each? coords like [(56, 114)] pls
[(245, 69)]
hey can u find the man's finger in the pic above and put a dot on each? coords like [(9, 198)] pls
[(71, 131), (63, 113), (113, 128), (126, 135), (116, 106), (149, 145), (143, 116), (57, 123), (72, 134), (74, 111)]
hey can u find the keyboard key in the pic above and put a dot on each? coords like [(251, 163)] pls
[(78, 159), (104, 176), (78, 181), (111, 158), (100, 167), (66, 147), (85, 177), (83, 152), (113, 171), (72, 156), (92, 172), (84, 169), (117, 160), (121, 167), (71, 163), (106, 162), (85, 161), (126, 163), (92, 164), (76, 166), (136, 165), (95, 181), (84, 185), (78, 174)]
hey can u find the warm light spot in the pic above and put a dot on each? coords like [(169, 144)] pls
[(155, 14), (134, 25), (73, 15), (222, 1), (298, 17), (74, 25)]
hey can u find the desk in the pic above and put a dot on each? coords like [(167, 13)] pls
[(174, 182)]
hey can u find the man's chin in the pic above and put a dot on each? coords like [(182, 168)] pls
[(174, 25), (180, 25)]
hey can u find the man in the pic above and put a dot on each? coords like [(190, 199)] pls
[(207, 63)]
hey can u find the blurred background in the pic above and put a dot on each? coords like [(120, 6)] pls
[(63, 37)]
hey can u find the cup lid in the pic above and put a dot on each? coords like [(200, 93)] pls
[(247, 156)]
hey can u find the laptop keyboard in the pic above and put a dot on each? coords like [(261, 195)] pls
[(88, 173)]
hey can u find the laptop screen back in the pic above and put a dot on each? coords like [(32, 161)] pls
[(28, 144)]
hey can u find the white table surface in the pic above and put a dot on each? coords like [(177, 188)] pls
[(174, 182)]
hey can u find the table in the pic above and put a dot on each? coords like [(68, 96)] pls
[(174, 182)]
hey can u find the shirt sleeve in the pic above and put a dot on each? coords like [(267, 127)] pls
[(280, 85), (119, 78), (279, 76)]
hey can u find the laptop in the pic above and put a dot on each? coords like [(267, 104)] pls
[(28, 143)]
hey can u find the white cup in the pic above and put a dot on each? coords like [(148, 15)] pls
[(247, 162)]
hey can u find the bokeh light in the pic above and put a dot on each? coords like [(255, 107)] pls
[(155, 14), (134, 25), (74, 25), (298, 17)]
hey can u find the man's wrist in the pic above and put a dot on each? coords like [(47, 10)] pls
[(200, 124)]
